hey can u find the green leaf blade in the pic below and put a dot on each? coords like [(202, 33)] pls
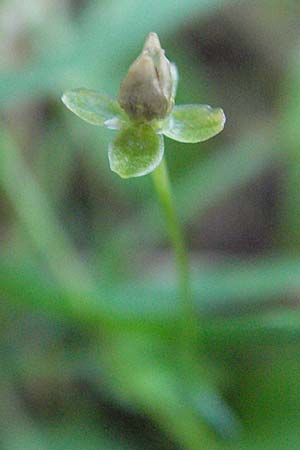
[(194, 123), (136, 151), (94, 108)]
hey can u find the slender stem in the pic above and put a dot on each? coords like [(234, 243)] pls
[(164, 193)]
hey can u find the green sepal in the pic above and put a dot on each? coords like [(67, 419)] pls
[(194, 123), (95, 108), (136, 150)]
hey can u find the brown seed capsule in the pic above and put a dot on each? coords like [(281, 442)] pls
[(146, 91)]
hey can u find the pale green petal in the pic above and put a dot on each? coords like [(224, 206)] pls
[(194, 123), (94, 108), (136, 151), (174, 76)]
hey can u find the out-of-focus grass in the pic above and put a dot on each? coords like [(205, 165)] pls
[(88, 306)]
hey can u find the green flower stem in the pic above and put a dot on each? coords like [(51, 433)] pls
[(188, 318)]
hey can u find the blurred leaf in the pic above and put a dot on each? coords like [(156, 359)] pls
[(18, 430), (289, 135), (93, 107), (277, 328), (148, 374), (267, 391), (131, 305), (85, 435), (217, 413), (136, 150), (38, 218), (240, 286), (194, 123), (123, 307), (27, 288)]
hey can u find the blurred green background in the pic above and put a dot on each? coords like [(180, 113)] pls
[(89, 308)]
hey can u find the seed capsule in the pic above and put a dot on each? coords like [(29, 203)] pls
[(146, 91)]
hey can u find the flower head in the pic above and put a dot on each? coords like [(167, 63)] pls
[(146, 91), (145, 112)]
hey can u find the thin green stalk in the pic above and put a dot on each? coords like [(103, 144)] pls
[(188, 335), (163, 189)]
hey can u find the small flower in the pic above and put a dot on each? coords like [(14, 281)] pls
[(146, 91), (145, 112)]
